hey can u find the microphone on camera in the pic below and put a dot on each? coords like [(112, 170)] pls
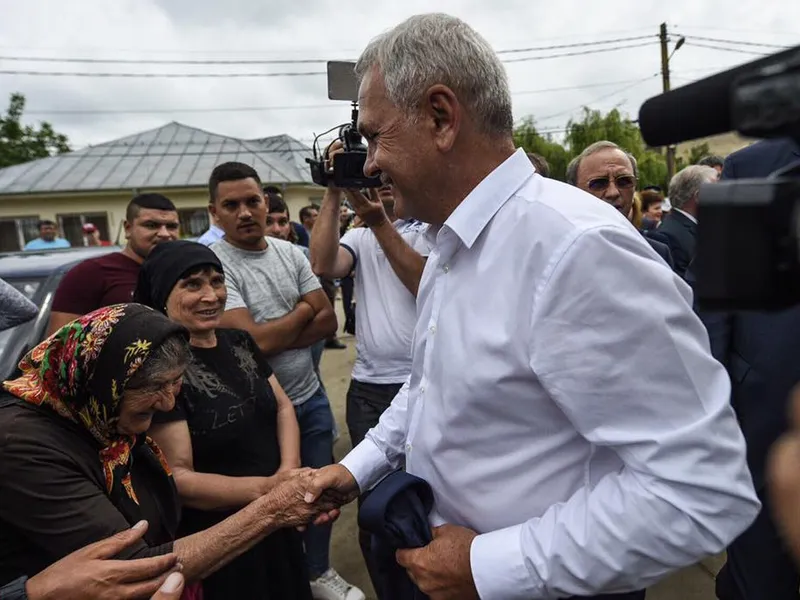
[(699, 109)]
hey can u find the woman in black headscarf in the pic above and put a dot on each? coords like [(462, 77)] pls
[(233, 434), (77, 466)]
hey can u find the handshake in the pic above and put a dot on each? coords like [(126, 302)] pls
[(305, 496)]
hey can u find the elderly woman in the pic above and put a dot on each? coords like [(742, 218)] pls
[(76, 465), (233, 433)]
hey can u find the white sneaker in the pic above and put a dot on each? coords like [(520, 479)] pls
[(331, 586)]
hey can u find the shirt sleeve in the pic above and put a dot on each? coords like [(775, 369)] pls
[(351, 240), (307, 282), (235, 297), (53, 502), (383, 449), (80, 291), (617, 346)]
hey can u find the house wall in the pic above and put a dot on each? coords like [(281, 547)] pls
[(112, 204)]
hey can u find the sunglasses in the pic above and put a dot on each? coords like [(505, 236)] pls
[(623, 182)]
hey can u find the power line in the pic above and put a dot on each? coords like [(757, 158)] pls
[(286, 61), (284, 74), (601, 98), (737, 42), (144, 111), (581, 53), (159, 75), (737, 50)]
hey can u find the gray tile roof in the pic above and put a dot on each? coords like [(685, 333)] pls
[(174, 155)]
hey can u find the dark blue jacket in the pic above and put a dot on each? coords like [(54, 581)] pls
[(761, 352)]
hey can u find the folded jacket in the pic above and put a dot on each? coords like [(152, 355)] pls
[(396, 514)]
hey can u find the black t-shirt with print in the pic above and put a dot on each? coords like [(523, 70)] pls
[(231, 412)]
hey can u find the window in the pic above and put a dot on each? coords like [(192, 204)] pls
[(71, 226), (15, 232), (194, 221)]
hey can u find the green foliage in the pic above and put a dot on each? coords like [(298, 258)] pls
[(22, 143), (526, 136), (593, 126)]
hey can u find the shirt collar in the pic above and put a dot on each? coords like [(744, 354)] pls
[(692, 218), (473, 214)]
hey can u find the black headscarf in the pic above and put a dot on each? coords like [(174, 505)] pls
[(166, 264)]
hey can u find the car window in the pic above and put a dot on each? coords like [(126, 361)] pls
[(28, 286)]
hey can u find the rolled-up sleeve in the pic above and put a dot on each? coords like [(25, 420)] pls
[(616, 344), (382, 450)]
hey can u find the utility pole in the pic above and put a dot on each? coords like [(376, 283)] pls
[(665, 81)]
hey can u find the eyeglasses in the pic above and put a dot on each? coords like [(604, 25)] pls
[(623, 182)]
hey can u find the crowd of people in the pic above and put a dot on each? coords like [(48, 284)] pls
[(534, 393)]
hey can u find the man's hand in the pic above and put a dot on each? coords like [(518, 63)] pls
[(442, 569), (784, 479), (369, 209), (287, 501), (335, 482), (88, 574)]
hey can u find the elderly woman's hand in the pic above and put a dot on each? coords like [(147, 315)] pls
[(287, 500)]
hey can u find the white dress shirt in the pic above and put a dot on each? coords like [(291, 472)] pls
[(386, 311), (533, 408)]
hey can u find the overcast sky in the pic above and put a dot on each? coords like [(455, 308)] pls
[(88, 109)]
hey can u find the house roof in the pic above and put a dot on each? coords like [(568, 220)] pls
[(174, 155)]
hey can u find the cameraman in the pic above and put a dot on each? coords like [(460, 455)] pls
[(760, 351), (388, 256)]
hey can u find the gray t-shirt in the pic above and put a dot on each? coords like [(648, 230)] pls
[(269, 283)]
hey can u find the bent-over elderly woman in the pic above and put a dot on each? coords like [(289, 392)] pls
[(76, 465), (233, 433)]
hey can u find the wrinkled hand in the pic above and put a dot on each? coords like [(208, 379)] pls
[(784, 479), (442, 568), (89, 574), (334, 482), (336, 147), (288, 503), (369, 208)]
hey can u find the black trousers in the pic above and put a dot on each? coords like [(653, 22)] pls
[(347, 284), (365, 405)]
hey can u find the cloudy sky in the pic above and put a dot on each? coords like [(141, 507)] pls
[(91, 110)]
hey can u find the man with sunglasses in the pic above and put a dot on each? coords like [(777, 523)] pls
[(610, 173)]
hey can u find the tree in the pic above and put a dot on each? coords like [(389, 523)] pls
[(526, 136), (22, 143)]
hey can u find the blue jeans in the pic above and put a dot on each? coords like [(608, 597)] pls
[(315, 420)]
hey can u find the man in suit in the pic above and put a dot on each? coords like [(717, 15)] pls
[(679, 229), (760, 351), (610, 173)]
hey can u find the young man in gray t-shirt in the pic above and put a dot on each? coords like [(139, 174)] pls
[(274, 295)]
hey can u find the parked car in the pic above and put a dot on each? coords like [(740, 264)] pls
[(37, 275)]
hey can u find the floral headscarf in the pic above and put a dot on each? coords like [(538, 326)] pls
[(80, 373)]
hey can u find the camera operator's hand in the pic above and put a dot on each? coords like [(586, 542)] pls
[(337, 147), (369, 208)]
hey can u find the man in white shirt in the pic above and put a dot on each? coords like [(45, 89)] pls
[(561, 465), (388, 256)]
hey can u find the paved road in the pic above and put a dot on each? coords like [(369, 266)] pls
[(695, 583)]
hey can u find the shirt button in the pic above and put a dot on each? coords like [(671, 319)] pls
[(433, 328), (446, 268), (422, 389), (408, 448)]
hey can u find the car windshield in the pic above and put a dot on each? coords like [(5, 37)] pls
[(28, 286)]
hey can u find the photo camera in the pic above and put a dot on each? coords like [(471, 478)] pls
[(748, 246), (348, 167)]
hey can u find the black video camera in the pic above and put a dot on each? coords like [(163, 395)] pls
[(748, 246), (348, 167)]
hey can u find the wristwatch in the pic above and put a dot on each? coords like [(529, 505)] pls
[(14, 590)]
